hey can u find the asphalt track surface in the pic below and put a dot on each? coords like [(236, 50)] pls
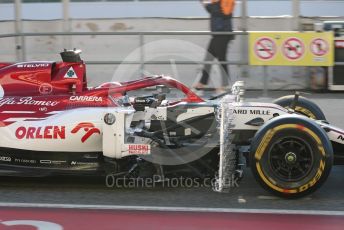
[(93, 191)]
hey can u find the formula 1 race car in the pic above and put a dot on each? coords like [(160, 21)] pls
[(51, 122)]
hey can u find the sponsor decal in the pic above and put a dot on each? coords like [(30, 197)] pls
[(26, 101), (74, 163), (86, 98), (45, 89), (88, 128), (45, 161), (24, 161), (340, 137), (252, 111), (47, 132), (260, 112), (139, 149), (142, 100), (6, 159), (33, 65), (239, 111), (43, 109), (70, 74), (52, 162)]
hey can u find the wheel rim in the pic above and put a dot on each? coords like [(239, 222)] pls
[(291, 159)]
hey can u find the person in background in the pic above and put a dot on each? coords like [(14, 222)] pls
[(221, 21)]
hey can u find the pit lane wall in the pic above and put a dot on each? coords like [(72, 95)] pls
[(116, 48)]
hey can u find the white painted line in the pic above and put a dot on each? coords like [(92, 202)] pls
[(54, 112), (18, 112), (173, 209), (16, 119), (279, 198), (269, 198)]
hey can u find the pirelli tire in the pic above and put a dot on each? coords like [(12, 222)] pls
[(291, 156), (304, 106)]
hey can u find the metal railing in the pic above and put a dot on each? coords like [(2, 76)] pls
[(141, 35), (142, 62)]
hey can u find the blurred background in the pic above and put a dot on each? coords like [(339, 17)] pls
[(132, 23)]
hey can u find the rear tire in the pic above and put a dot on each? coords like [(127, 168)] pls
[(291, 156), (303, 106)]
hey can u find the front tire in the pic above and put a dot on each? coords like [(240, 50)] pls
[(291, 156), (304, 107)]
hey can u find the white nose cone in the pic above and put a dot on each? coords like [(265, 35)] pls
[(2, 92)]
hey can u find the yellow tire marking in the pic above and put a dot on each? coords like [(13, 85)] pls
[(264, 143), (271, 185), (305, 111)]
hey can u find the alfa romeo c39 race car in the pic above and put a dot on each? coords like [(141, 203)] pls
[(51, 122)]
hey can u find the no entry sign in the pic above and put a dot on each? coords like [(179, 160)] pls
[(291, 48)]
